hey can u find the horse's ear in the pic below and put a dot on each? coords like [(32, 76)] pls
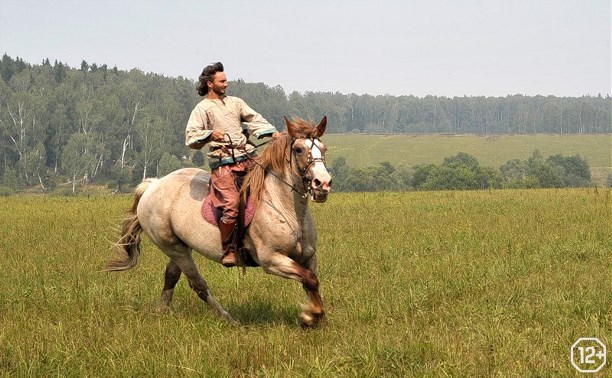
[(290, 126), (321, 127)]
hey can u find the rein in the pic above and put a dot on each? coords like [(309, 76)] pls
[(292, 186)]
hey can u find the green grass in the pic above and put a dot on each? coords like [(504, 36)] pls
[(490, 150), (490, 283)]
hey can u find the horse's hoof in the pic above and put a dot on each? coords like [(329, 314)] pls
[(163, 309), (306, 320), (309, 319), (232, 322), (226, 315)]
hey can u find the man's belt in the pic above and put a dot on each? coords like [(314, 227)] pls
[(215, 163)]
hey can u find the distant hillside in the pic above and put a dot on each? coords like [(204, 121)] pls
[(490, 151)]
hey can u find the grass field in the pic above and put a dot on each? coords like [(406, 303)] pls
[(361, 150), (418, 284)]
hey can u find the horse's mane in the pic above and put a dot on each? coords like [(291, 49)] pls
[(274, 158)]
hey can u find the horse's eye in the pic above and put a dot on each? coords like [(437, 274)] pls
[(298, 150)]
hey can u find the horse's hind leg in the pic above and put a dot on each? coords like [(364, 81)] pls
[(171, 277), (199, 285)]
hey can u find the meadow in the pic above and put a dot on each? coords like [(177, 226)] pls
[(417, 284), (361, 150)]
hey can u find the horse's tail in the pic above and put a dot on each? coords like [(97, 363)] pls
[(129, 242)]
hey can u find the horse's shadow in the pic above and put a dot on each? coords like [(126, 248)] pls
[(263, 313), (255, 313)]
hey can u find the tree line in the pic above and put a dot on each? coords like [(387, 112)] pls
[(93, 123)]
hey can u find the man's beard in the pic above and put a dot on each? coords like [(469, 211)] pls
[(219, 91)]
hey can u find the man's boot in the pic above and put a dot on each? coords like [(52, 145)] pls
[(227, 231)]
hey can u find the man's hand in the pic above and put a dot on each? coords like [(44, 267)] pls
[(275, 135), (217, 136)]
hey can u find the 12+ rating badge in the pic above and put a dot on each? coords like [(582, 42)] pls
[(588, 355)]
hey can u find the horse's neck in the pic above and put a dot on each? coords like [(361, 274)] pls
[(284, 197)]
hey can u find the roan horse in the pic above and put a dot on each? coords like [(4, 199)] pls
[(281, 237)]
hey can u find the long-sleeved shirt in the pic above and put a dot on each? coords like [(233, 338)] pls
[(226, 115)]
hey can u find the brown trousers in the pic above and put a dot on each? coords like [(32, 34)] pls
[(223, 186)]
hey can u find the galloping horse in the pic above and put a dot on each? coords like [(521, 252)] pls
[(281, 237)]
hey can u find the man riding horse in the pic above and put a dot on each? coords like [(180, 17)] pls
[(217, 121)]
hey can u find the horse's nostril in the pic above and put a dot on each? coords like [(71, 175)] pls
[(317, 183)]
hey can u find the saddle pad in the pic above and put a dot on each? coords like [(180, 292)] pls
[(213, 214)]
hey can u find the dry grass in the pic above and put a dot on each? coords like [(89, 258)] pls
[(495, 283)]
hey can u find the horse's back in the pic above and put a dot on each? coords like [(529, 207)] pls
[(193, 181), (170, 208), (182, 184)]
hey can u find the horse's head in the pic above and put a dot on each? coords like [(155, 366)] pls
[(309, 154)]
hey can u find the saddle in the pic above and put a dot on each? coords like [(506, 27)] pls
[(213, 214)]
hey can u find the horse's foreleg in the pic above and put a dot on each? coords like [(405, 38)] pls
[(284, 266), (171, 277), (313, 311), (199, 285)]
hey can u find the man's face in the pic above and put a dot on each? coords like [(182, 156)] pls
[(219, 84)]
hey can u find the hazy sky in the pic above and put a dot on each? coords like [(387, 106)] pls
[(438, 47)]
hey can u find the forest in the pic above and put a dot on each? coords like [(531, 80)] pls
[(99, 124)]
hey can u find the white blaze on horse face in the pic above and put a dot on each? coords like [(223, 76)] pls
[(321, 179)]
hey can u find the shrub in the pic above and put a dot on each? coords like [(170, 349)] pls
[(5, 191)]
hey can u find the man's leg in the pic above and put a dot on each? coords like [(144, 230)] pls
[(227, 233), (228, 198)]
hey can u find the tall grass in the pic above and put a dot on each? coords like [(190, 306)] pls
[(492, 283)]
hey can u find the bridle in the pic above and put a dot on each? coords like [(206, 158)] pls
[(306, 183), (309, 163)]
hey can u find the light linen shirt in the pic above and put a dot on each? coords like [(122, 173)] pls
[(227, 115)]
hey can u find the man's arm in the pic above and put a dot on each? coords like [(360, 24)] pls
[(198, 132), (255, 122)]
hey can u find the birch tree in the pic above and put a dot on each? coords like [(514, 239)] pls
[(75, 159), (23, 123), (130, 99), (150, 135)]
